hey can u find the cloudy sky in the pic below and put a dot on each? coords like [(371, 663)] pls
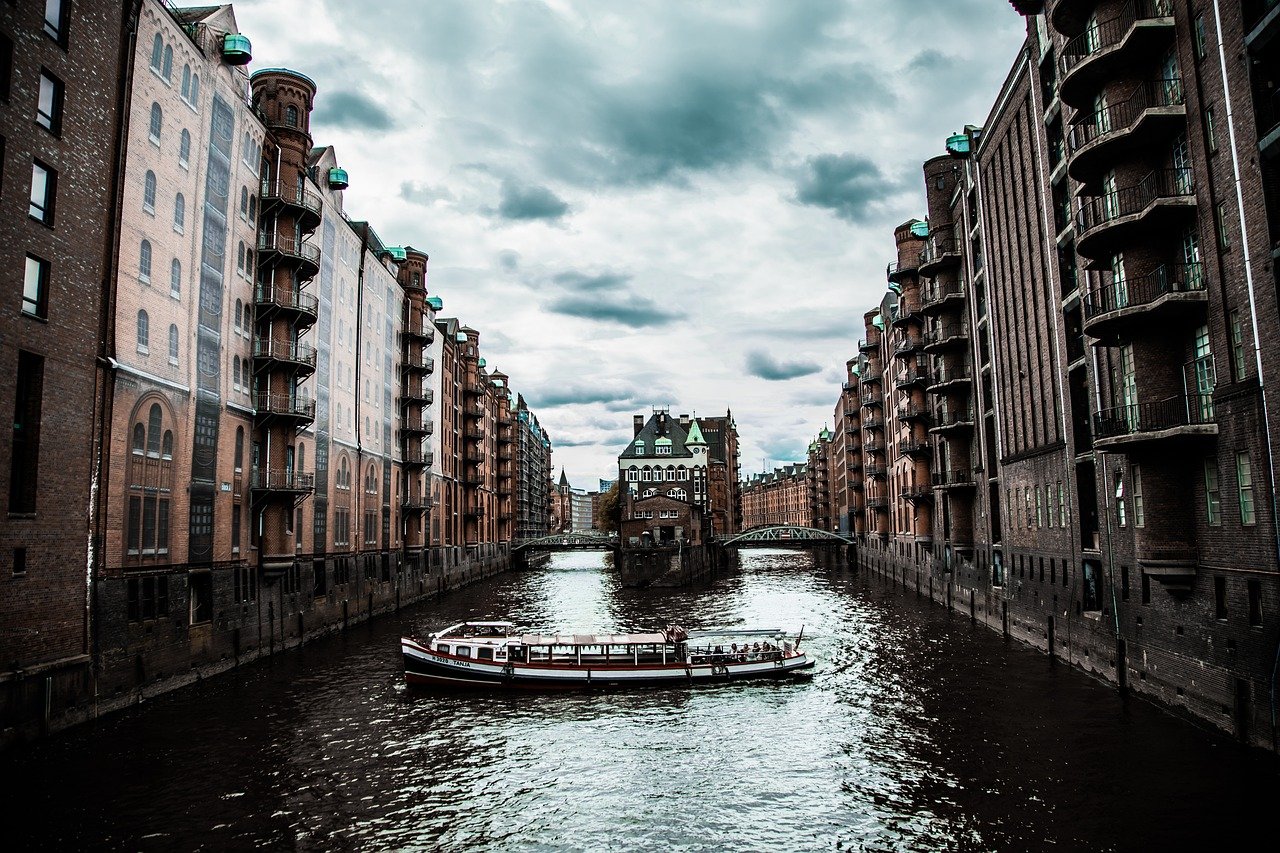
[(652, 202)]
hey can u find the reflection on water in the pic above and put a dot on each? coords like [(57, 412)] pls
[(917, 731)]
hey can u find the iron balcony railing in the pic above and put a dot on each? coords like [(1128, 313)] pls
[(417, 502), (1138, 418), (425, 426), (1144, 289), (1122, 115), (939, 291), (914, 446), (949, 417), (418, 397), (284, 351), (953, 478), (877, 501), (284, 404), (286, 244), (1128, 201), (909, 344), (291, 194), (868, 344), (296, 300), (938, 248), (954, 373), (418, 456), (946, 332), (418, 361), (1104, 35), (281, 479), (913, 412)]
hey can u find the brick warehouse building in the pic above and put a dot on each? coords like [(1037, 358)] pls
[(267, 468), (781, 496), (62, 91), (1065, 423)]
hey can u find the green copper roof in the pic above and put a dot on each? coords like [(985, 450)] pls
[(338, 179), (825, 435), (920, 229), (436, 303), (484, 363), (695, 434), (663, 441), (397, 254), (878, 322)]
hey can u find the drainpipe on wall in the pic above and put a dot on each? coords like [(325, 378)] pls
[(1253, 315)]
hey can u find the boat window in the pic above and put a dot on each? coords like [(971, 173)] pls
[(462, 651), (484, 654), (442, 649)]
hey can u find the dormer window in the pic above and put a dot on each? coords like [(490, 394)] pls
[(664, 449)]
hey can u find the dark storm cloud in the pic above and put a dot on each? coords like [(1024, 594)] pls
[(765, 366), (573, 395), (584, 283), (352, 111), (626, 309), (530, 201), (846, 184)]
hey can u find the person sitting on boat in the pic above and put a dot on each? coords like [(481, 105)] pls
[(719, 651)]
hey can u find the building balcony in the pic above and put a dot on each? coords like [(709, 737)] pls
[(906, 314), (916, 376), (1176, 419), (914, 413), (304, 205), (872, 376), (873, 446), (875, 471), (281, 480), (1148, 303), (416, 457), (474, 432), (270, 353), (945, 337), (1154, 111), (952, 420), (916, 493), (417, 427), (1137, 35), (275, 406), (940, 253), (915, 448), (504, 437), (873, 422), (948, 378), (419, 333), (896, 272), (1158, 205), (476, 511), (878, 502), (908, 346), (868, 344), (855, 483), (954, 480), (418, 397), (473, 389), (416, 504), (269, 300), (506, 452), (851, 412), (942, 296), (473, 411), (418, 363), (278, 248), (473, 479)]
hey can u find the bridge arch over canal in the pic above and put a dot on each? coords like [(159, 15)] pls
[(782, 535), (566, 542)]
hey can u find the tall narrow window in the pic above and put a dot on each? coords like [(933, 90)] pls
[(291, 116), (1220, 220), (55, 20), (1128, 387), (1244, 481), (44, 181), (1255, 602), (179, 213), (157, 123), (1201, 42), (1205, 377), (1190, 251), (167, 71), (173, 344), (149, 192), (1210, 131), (144, 261), (24, 460), (1121, 518), (1212, 493), (157, 52), (1237, 346), (144, 332), (1119, 284), (35, 288), (195, 90), (1139, 510), (186, 82), (175, 278), (184, 148), (239, 451), (49, 103)]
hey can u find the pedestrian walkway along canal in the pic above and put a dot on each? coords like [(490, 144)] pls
[(917, 731)]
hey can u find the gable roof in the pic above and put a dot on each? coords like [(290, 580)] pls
[(659, 425)]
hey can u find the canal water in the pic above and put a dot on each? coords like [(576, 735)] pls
[(918, 731)]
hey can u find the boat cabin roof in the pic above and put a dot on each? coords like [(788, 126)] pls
[(593, 639)]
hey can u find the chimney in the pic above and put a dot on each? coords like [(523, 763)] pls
[(638, 420), (684, 422)]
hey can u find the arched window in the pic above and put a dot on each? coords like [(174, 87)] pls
[(144, 261), (235, 372), (195, 90), (157, 122), (144, 331), (179, 213), (173, 343), (175, 278), (239, 459), (166, 446), (649, 493), (186, 82), (244, 202), (157, 52), (149, 192), (253, 208), (302, 456), (139, 435), (153, 430), (167, 73), (184, 148), (240, 257), (248, 262), (240, 322), (291, 115)]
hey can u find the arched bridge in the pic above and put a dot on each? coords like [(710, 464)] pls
[(566, 542), (784, 535)]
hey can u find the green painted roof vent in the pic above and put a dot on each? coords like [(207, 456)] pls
[(483, 363), (397, 254), (461, 338), (662, 442), (436, 303), (878, 322), (920, 229), (236, 49), (338, 179), (958, 145)]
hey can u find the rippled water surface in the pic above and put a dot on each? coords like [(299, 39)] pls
[(918, 731)]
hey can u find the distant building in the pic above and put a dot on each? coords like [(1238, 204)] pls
[(667, 458), (560, 519), (779, 497), (581, 505)]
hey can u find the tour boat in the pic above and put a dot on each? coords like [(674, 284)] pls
[(499, 655)]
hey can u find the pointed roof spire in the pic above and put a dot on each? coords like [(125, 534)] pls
[(564, 481), (695, 434)]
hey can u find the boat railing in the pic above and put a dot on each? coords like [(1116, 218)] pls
[(714, 654)]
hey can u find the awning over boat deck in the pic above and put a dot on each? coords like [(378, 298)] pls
[(592, 639)]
